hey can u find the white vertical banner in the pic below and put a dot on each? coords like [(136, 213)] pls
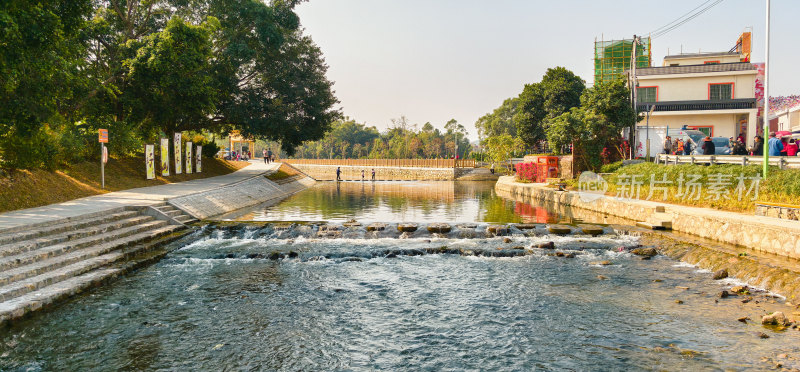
[(150, 161), (189, 158), (165, 157), (178, 153), (199, 155)]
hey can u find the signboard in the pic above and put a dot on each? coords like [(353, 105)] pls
[(102, 135), (165, 157), (178, 163), (105, 154), (199, 155), (189, 158), (150, 161)]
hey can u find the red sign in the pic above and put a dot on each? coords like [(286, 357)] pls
[(103, 135)]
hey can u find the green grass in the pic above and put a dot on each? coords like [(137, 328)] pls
[(33, 188)]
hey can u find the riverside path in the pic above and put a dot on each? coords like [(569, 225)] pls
[(142, 196)]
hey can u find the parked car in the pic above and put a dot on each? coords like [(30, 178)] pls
[(722, 145)]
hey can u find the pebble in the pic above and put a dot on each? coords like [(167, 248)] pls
[(602, 277), (678, 302), (743, 319), (720, 274), (762, 335)]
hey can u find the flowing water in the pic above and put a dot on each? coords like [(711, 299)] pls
[(277, 296)]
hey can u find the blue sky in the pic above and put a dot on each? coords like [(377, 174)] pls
[(432, 60)]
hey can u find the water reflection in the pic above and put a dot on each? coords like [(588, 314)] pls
[(434, 201)]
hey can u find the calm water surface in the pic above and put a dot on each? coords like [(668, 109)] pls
[(217, 304)]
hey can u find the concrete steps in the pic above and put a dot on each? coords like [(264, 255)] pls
[(659, 220), (49, 262), (175, 213)]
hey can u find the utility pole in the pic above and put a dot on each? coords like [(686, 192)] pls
[(634, 85), (766, 99)]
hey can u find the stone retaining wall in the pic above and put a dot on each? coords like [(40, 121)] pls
[(764, 234), (787, 213), (353, 173), (250, 192)]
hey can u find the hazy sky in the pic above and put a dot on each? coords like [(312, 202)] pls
[(432, 60)]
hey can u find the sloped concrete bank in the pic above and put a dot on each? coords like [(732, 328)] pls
[(712, 240), (763, 234), (247, 193)]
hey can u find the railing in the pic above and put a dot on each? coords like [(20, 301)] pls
[(728, 104), (418, 163), (780, 161)]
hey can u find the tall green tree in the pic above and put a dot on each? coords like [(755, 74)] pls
[(558, 92), (498, 122)]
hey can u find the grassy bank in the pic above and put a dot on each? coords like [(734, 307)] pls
[(717, 182), (26, 189)]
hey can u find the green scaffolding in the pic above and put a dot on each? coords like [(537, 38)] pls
[(612, 58)]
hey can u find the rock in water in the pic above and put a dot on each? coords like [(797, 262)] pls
[(507, 240), (497, 230), (601, 263), (776, 318), (377, 226), (648, 252), (720, 274), (743, 319), (559, 229), (724, 294), (407, 227), (439, 228), (547, 245)]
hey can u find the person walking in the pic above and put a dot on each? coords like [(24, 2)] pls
[(708, 146), (758, 147), (362, 176), (668, 145), (338, 173), (373, 174), (491, 169), (774, 145), (266, 159), (679, 148), (269, 155)]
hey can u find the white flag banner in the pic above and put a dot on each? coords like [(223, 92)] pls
[(189, 158), (199, 155), (178, 153)]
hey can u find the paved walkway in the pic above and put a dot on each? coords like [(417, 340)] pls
[(140, 196)]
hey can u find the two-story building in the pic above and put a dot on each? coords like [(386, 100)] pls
[(710, 92)]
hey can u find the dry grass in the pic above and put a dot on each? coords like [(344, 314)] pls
[(27, 189)]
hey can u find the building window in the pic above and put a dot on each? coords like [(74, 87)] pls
[(707, 130), (647, 94), (721, 91)]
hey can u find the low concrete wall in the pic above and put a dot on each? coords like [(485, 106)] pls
[(764, 234), (250, 192), (353, 173)]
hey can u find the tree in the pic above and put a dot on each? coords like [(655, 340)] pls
[(498, 122), (501, 148), (558, 92), (594, 129)]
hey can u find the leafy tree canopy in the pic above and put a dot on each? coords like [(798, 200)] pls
[(558, 92)]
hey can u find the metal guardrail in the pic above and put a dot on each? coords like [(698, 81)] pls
[(780, 161), (414, 163)]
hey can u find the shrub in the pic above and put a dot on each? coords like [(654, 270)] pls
[(611, 167)]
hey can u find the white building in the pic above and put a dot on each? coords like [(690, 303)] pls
[(710, 92)]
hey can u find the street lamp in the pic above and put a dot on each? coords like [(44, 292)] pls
[(652, 108)]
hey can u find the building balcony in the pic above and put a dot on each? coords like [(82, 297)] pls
[(701, 105), (696, 69)]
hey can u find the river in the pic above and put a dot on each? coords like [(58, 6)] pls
[(219, 302)]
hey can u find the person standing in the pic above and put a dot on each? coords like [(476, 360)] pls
[(338, 173), (269, 155), (791, 148), (491, 169), (679, 148), (708, 146), (774, 145), (373, 174), (740, 138), (266, 159), (758, 147), (362, 176), (668, 145), (688, 146)]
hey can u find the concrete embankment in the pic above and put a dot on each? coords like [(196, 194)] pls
[(247, 193), (45, 262), (763, 234), (755, 248), (353, 173)]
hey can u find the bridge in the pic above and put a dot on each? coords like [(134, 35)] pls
[(392, 169)]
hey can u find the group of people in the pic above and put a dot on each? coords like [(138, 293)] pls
[(240, 155), (775, 146), (679, 146), (363, 174), (267, 156)]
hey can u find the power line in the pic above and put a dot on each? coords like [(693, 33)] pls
[(694, 13)]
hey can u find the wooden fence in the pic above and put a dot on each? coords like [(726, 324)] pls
[(417, 163)]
